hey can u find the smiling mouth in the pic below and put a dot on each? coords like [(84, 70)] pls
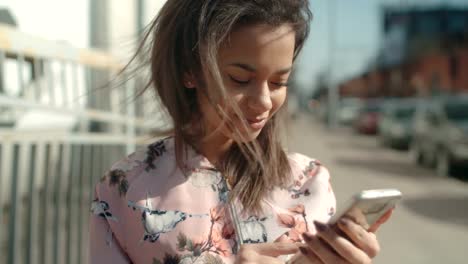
[(257, 124)]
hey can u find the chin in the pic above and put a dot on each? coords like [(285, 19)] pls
[(250, 136)]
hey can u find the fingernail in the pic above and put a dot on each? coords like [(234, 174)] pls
[(344, 221), (320, 226), (304, 250), (307, 237)]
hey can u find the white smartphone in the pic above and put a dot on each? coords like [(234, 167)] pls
[(366, 207)]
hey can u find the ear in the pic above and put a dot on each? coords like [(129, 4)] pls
[(189, 81)]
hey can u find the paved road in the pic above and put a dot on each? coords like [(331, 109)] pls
[(429, 226)]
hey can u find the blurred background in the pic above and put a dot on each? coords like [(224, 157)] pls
[(379, 95)]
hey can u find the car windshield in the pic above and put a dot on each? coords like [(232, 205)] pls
[(457, 111), (404, 113), (372, 108)]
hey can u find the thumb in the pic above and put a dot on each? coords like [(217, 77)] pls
[(283, 238), (384, 218), (274, 249)]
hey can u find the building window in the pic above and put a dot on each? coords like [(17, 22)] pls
[(456, 23), (428, 25), (453, 67)]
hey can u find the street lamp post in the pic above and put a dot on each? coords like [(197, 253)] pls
[(333, 93)]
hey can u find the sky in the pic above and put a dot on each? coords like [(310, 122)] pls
[(52, 19), (357, 30)]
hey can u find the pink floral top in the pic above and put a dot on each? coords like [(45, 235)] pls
[(146, 210)]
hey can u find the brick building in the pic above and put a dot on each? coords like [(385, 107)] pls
[(424, 51)]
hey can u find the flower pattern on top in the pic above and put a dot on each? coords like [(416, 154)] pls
[(132, 161), (157, 222), (312, 169), (203, 178), (210, 177), (154, 151), (296, 194), (298, 189), (101, 208), (205, 258), (295, 219), (253, 230), (210, 238), (197, 250), (118, 178), (168, 259)]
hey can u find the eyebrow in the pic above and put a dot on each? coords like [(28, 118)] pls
[(252, 69)]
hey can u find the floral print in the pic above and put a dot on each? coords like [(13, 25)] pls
[(154, 150), (209, 177), (157, 222), (202, 259), (298, 190), (146, 212), (101, 208), (312, 169), (215, 242), (253, 230), (202, 178), (118, 177), (296, 221)]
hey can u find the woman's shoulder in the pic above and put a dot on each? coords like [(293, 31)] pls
[(311, 185), (143, 161), (305, 166)]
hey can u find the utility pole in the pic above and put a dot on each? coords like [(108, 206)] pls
[(99, 39), (333, 93), (140, 19)]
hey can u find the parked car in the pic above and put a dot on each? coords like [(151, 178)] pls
[(367, 121), (395, 123), (349, 110), (440, 134)]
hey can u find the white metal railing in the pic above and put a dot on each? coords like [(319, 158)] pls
[(50, 152)]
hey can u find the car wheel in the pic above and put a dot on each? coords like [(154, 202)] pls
[(416, 153), (443, 164)]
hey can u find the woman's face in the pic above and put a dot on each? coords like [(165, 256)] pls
[(255, 63)]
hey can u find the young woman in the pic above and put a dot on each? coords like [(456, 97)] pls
[(220, 188)]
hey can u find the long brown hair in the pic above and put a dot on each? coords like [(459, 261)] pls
[(184, 39)]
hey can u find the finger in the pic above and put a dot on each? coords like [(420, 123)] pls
[(267, 260), (273, 249), (322, 250), (309, 255), (359, 217), (384, 218), (283, 238), (363, 239), (247, 255), (341, 245)]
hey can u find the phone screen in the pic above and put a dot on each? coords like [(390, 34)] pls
[(367, 212), (366, 207)]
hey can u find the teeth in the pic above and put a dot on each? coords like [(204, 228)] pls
[(257, 120)]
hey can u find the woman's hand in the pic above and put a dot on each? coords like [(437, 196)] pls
[(265, 253), (349, 243)]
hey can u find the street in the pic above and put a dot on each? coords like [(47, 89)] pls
[(430, 225)]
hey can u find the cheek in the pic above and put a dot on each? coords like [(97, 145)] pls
[(236, 97), (278, 98), (208, 112)]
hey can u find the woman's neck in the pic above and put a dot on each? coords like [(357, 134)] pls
[(214, 147)]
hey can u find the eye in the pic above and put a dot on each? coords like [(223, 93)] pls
[(239, 81), (280, 84)]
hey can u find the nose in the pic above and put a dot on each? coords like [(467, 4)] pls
[(259, 99)]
